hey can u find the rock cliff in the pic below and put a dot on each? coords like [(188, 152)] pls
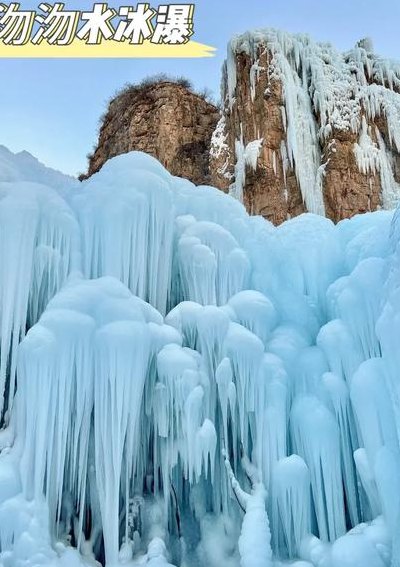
[(305, 127), (302, 128), (163, 118)]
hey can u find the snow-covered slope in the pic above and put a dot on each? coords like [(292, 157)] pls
[(197, 387), (25, 167)]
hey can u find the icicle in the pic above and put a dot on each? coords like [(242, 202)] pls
[(255, 312), (245, 351), (212, 267), (316, 439), (292, 504), (338, 400), (120, 226), (372, 407), (39, 243)]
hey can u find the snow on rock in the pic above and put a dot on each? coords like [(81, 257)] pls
[(328, 123), (188, 385), (246, 156)]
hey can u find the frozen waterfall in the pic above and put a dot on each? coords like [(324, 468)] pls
[(183, 384)]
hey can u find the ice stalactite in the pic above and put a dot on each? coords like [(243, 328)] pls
[(211, 266), (255, 312), (88, 353), (291, 505), (131, 215), (246, 157), (183, 432), (316, 439), (271, 416), (336, 396), (39, 248), (121, 360), (245, 352), (374, 413)]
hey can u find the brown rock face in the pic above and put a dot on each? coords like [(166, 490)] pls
[(268, 190), (302, 128), (164, 119), (305, 128), (347, 190)]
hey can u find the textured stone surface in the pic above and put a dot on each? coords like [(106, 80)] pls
[(264, 191), (257, 109), (347, 191), (275, 88), (165, 120)]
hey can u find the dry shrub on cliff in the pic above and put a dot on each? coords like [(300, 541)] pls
[(131, 94)]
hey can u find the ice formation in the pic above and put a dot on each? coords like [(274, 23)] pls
[(325, 93), (183, 384), (23, 166)]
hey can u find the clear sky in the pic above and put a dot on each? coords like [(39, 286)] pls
[(51, 107)]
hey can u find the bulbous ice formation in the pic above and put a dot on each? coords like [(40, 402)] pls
[(39, 248), (292, 504)]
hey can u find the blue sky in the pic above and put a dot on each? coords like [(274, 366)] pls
[(51, 107)]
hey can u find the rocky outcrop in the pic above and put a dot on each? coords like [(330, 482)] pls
[(165, 119), (246, 148), (302, 128), (307, 128)]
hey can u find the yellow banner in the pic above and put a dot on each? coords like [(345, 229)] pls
[(106, 49)]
